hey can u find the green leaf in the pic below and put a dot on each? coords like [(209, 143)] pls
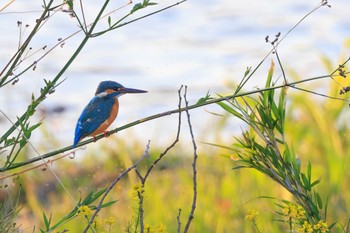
[(108, 204), (33, 127), (87, 199), (268, 81), (109, 21), (9, 141), (204, 99), (22, 142), (247, 71), (315, 182), (319, 200), (136, 7), (309, 170), (98, 194), (229, 109), (70, 4), (306, 182), (139, 6), (47, 222), (240, 167)]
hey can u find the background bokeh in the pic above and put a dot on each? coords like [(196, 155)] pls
[(207, 46)]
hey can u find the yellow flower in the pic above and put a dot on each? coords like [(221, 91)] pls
[(109, 221), (161, 228), (251, 214), (138, 190), (149, 229), (97, 224), (306, 228), (321, 226), (294, 212), (84, 210)]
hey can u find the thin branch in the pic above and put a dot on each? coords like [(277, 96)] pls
[(137, 19), (322, 3), (172, 144), (82, 12), (46, 163), (6, 5), (121, 175), (194, 166), (281, 66), (163, 114), (36, 102), (178, 221), (319, 94), (15, 58), (54, 47), (148, 172)]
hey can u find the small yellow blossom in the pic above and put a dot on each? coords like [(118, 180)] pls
[(138, 190), (97, 224), (109, 221), (161, 228), (295, 212), (321, 226), (84, 210), (251, 214), (149, 229), (306, 228)]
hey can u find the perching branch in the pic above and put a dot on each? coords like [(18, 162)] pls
[(163, 114)]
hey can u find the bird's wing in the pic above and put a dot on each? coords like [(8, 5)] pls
[(93, 115)]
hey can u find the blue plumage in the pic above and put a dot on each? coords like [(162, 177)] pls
[(93, 115), (101, 111)]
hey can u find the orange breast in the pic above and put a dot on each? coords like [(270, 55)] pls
[(103, 127)]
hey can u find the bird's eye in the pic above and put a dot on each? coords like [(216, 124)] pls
[(118, 89)]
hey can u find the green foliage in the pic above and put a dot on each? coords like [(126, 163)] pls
[(263, 147), (204, 99), (8, 219), (87, 202), (139, 6)]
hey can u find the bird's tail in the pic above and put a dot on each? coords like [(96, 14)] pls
[(76, 140), (77, 135)]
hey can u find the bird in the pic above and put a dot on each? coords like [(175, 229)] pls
[(101, 111)]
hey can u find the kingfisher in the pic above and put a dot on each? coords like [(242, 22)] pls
[(101, 111)]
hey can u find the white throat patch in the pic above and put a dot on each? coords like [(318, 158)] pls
[(102, 94)]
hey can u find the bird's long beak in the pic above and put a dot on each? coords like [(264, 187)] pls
[(131, 90)]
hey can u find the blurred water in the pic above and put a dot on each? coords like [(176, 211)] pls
[(202, 44)]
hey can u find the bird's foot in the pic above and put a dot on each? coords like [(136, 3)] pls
[(105, 134)]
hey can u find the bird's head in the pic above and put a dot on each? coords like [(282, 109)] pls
[(114, 89)]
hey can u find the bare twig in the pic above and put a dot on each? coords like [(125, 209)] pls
[(281, 66), (6, 5), (121, 175), (174, 142), (178, 221), (83, 14), (194, 166), (318, 6), (148, 172), (44, 164)]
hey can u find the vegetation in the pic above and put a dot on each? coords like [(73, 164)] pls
[(295, 148)]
